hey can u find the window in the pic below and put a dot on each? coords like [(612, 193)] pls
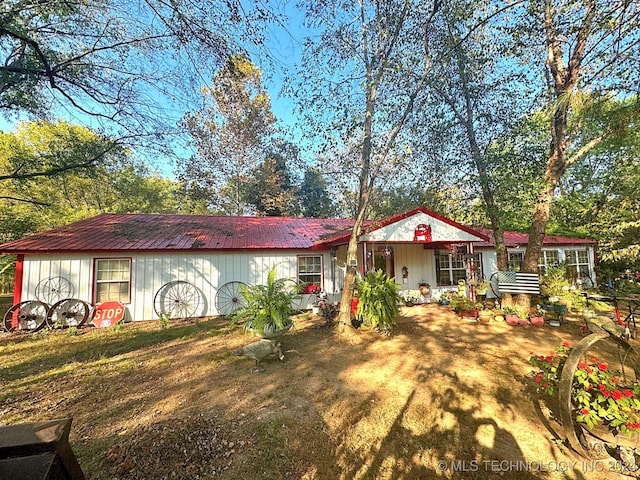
[(451, 268), (310, 270), (113, 280), (515, 261), (577, 264), (548, 258)]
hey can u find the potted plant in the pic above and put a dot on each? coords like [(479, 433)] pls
[(465, 307), (485, 315), (481, 290), (268, 307), (514, 315), (536, 316), (445, 298), (378, 300)]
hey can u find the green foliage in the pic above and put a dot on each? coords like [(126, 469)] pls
[(231, 134), (272, 192), (164, 320), (58, 173), (461, 303), (598, 395), (268, 306), (378, 300), (315, 201)]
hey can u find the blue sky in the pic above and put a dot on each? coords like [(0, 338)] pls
[(283, 44)]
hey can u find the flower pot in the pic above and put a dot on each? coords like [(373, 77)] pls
[(537, 321), (484, 316), (511, 319), (523, 321), (268, 331), (469, 313), (499, 318)]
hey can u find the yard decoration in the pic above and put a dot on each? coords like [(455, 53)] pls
[(268, 308), (599, 404), (485, 316), (464, 306)]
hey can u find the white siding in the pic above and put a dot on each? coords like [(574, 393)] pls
[(149, 272)]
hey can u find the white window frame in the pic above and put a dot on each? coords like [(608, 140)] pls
[(456, 267), (544, 262), (577, 266), (125, 279), (515, 264), (304, 276)]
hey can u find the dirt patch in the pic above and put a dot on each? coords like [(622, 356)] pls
[(439, 398)]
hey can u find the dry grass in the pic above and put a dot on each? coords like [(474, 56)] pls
[(151, 404)]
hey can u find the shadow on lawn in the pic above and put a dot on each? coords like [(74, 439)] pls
[(61, 349)]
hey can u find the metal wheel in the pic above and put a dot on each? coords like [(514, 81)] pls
[(53, 289), (69, 312), (177, 299), (573, 431), (584, 282), (493, 284), (229, 298), (28, 316)]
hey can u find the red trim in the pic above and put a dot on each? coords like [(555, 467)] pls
[(17, 288)]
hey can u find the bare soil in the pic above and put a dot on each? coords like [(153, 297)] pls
[(439, 398)]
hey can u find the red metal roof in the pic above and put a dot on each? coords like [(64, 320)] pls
[(157, 232), (162, 232), (514, 239)]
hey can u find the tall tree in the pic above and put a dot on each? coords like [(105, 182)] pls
[(315, 201), (589, 46), (117, 63), (272, 190), (231, 134), (31, 203), (365, 70)]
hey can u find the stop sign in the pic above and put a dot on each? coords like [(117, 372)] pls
[(108, 313)]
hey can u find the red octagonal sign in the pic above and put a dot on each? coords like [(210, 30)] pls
[(108, 314)]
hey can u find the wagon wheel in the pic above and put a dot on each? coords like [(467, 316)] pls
[(585, 282), (69, 312), (177, 299), (493, 284), (53, 289), (29, 316), (229, 298), (573, 432)]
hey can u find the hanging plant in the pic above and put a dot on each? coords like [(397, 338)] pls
[(378, 300)]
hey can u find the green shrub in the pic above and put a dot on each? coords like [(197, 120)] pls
[(268, 306), (378, 300)]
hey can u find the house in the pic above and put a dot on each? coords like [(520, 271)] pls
[(194, 265)]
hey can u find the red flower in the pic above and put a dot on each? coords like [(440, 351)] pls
[(606, 393), (602, 387), (583, 365), (627, 393), (585, 411), (566, 344), (549, 359), (603, 366), (541, 358), (617, 395), (538, 377)]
